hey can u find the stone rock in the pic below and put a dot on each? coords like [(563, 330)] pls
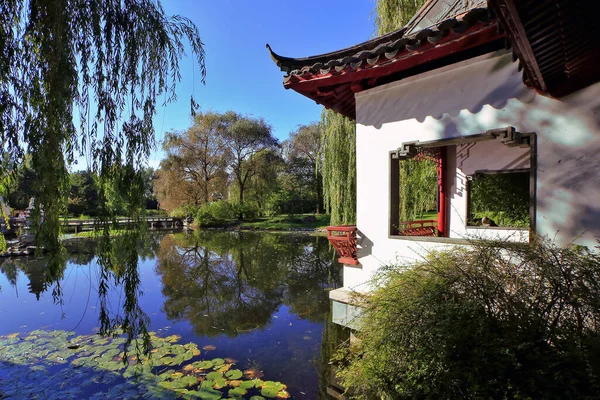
[(309, 218)]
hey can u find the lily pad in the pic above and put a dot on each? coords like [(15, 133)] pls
[(203, 364), (223, 368), (255, 383), (214, 375), (271, 389), (269, 392), (207, 384), (172, 338), (237, 392), (234, 374), (217, 362), (184, 382), (98, 362), (209, 394), (252, 373), (220, 383)]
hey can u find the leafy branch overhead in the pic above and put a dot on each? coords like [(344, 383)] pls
[(84, 78)]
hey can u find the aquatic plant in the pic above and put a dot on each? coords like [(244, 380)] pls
[(58, 365)]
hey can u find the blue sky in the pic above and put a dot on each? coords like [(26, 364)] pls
[(240, 74)]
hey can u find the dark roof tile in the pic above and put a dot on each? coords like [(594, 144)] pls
[(391, 45)]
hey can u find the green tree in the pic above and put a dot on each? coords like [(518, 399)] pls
[(391, 15), (195, 162), (338, 142), (245, 137), (338, 148), (268, 165), (418, 188), (112, 60), (149, 178), (303, 159), (21, 187), (83, 198)]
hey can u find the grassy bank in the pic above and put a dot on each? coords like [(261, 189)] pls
[(285, 222), (149, 214), (97, 233)]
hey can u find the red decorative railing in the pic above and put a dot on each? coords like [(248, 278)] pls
[(428, 227), (343, 240)]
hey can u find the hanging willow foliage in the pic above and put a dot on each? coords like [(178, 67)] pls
[(418, 188), (338, 166), (391, 15), (110, 60)]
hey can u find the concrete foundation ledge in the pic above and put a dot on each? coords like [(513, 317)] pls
[(347, 307)]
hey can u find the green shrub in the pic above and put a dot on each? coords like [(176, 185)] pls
[(216, 212), (203, 218), (221, 210), (2, 243), (489, 321), (151, 212), (183, 212), (247, 210)]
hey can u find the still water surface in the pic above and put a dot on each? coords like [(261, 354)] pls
[(261, 299)]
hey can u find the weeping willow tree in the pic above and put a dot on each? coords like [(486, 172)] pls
[(394, 14), (338, 144), (417, 178), (338, 167), (418, 188), (82, 78)]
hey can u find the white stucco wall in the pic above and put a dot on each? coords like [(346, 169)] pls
[(465, 99)]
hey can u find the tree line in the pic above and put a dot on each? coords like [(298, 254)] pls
[(226, 164), (86, 188), (235, 160)]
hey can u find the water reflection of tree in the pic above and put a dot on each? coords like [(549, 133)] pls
[(222, 282), (212, 281), (312, 271), (333, 337), (117, 262), (10, 269), (230, 282)]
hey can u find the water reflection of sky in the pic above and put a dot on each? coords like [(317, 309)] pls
[(286, 347)]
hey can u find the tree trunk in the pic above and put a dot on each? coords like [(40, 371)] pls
[(206, 191), (318, 189), (241, 197)]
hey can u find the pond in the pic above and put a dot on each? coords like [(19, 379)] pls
[(222, 314)]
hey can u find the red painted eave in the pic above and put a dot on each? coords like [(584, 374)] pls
[(336, 90)]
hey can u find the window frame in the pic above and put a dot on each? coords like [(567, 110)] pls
[(395, 158), (508, 136)]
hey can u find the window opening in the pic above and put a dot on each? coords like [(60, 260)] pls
[(500, 198), (418, 202)]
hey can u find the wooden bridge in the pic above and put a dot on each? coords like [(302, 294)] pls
[(153, 223), (79, 225)]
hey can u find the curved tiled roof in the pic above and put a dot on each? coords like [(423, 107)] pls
[(378, 50), (557, 49)]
